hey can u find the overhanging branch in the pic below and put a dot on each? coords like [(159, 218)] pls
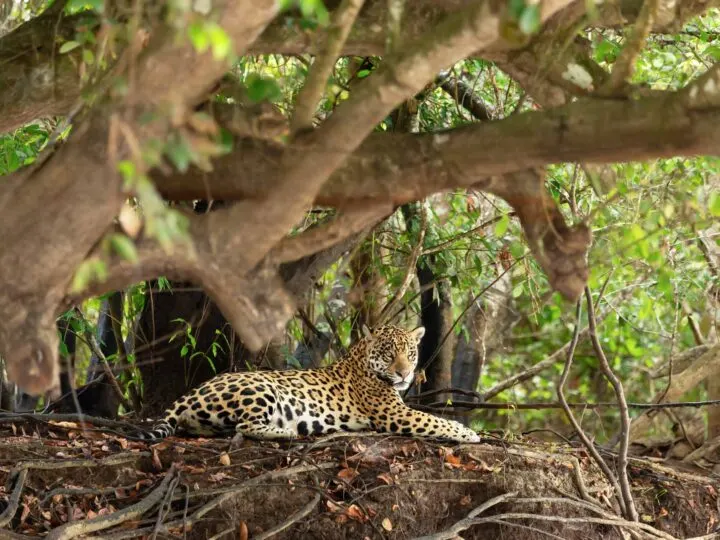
[(257, 304), (404, 167), (46, 83)]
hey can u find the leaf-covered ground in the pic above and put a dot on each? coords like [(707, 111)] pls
[(64, 481)]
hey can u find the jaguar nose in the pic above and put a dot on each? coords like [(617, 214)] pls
[(405, 373)]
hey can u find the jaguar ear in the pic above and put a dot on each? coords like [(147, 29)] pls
[(418, 333), (366, 331)]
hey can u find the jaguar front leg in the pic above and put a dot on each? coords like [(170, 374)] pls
[(398, 418), (263, 431)]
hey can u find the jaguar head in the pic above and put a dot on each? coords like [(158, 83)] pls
[(392, 354)]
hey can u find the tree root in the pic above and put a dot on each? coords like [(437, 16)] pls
[(297, 516), (19, 476), (76, 528)]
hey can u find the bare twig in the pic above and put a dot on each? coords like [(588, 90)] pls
[(76, 528), (442, 245), (707, 365), (14, 502), (165, 509), (463, 524), (115, 308), (605, 518), (459, 405), (423, 395), (464, 96), (464, 311), (314, 87), (410, 271), (709, 447), (10, 418), (531, 372), (95, 346), (622, 69), (345, 224), (526, 527), (571, 417), (117, 459), (207, 507), (580, 481), (631, 512), (297, 516), (84, 491)]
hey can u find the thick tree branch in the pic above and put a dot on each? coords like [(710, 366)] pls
[(314, 87), (77, 191), (592, 131), (36, 81), (560, 250), (703, 94), (464, 95), (348, 223), (258, 304), (707, 366), (313, 157), (623, 66)]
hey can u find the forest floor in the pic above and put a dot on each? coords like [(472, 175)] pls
[(65, 480)]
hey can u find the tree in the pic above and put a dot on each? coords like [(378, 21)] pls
[(442, 162), (117, 128)]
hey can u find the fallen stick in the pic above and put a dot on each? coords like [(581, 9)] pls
[(76, 528)]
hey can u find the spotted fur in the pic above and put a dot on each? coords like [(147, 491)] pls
[(358, 392)]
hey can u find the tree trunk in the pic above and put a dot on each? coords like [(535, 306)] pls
[(488, 324), (711, 252), (169, 361), (438, 345)]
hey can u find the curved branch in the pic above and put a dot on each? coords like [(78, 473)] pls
[(77, 190)]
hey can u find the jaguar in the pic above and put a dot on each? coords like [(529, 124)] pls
[(359, 392)]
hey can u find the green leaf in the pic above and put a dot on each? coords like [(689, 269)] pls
[(220, 41), (518, 290), (260, 88), (68, 46), (97, 5), (127, 170), (89, 270), (314, 9), (73, 6), (199, 36), (516, 8), (530, 19), (88, 57), (361, 74), (713, 51), (635, 233), (179, 153), (516, 249), (606, 51), (664, 283), (633, 348), (13, 161), (124, 247), (225, 140), (502, 225), (714, 204)]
